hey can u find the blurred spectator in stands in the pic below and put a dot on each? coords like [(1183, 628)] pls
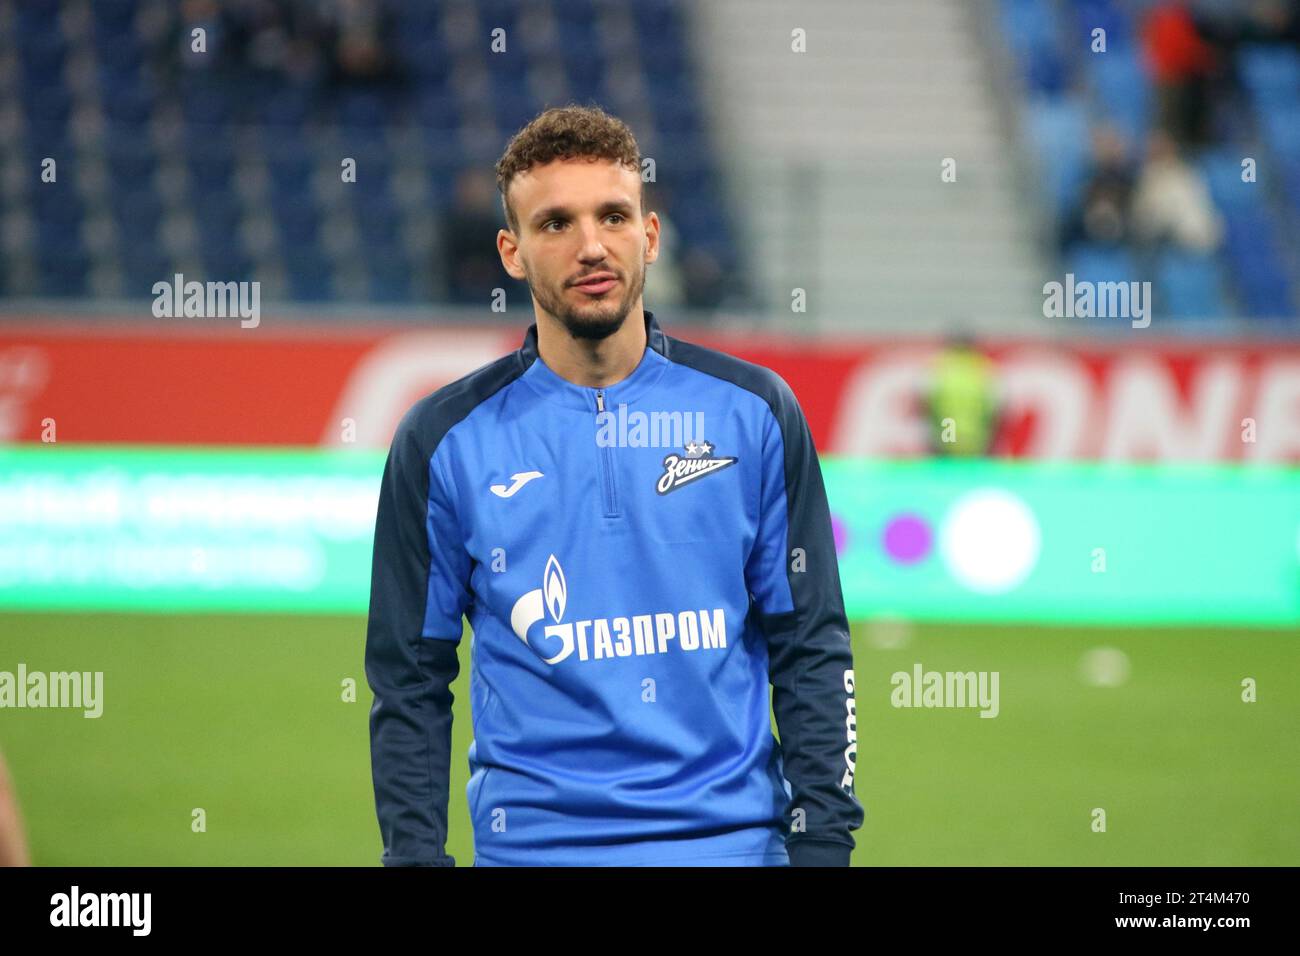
[(961, 405), (214, 43), (1171, 201), (361, 38), (1182, 65), (1229, 27), (1103, 213), (246, 38), (346, 41), (1276, 21), (282, 39), (470, 258), (1262, 21)]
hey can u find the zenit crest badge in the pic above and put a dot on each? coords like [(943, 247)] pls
[(695, 464)]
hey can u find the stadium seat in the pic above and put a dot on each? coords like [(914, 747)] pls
[(1058, 131), (297, 124), (1095, 263), (1123, 91), (1222, 171), (1271, 73), (1188, 285)]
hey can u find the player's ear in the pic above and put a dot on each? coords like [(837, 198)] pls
[(508, 249), (651, 237)]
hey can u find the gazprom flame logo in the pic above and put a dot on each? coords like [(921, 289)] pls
[(538, 603), (604, 638)]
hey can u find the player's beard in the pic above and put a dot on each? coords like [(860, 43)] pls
[(596, 318)]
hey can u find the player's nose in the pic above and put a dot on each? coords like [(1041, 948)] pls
[(592, 249)]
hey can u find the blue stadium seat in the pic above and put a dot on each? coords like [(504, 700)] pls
[(513, 104), (51, 104), (1189, 285), (374, 171), (299, 224), (205, 105), (390, 274), (64, 271), (216, 218), (137, 209), (1031, 36), (226, 262), (425, 54), (57, 204), (438, 111), (130, 160), (1058, 131), (142, 265), (118, 50), (378, 221), (42, 56), (309, 273), (1222, 171), (1252, 249), (290, 169), (115, 16), (211, 171), (286, 107), (654, 18), (1271, 73), (1281, 128), (1095, 263), (1123, 91), (1291, 183), (1088, 15), (362, 112), (218, 95), (664, 61)]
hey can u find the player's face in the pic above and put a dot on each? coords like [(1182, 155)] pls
[(583, 246)]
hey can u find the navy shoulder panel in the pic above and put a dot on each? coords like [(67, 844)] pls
[(752, 377), (430, 418)]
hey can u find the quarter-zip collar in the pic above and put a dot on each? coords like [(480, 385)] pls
[(542, 379)]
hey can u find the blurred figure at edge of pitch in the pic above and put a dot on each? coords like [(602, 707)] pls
[(961, 403)]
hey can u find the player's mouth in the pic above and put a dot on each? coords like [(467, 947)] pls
[(597, 283)]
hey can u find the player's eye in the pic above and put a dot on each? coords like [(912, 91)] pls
[(552, 222), (617, 215)]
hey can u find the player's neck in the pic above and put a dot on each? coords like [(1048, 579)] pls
[(593, 363)]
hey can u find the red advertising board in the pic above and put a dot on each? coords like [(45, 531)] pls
[(322, 385)]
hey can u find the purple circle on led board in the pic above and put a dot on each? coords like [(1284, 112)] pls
[(840, 532), (908, 538)]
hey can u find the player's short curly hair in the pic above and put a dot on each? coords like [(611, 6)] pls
[(566, 132)]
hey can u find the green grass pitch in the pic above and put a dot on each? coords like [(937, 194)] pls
[(243, 717)]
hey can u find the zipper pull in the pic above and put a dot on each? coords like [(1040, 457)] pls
[(600, 401)]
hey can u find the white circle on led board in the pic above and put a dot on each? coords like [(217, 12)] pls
[(989, 540)]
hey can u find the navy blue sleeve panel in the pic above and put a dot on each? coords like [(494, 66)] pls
[(419, 589), (809, 650), (793, 578), (410, 674)]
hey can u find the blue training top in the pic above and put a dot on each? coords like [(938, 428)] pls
[(636, 562)]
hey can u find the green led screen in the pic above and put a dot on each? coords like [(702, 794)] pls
[(188, 529)]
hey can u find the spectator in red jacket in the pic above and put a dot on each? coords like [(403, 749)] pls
[(1182, 65)]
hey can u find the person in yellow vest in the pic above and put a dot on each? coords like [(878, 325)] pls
[(962, 400)]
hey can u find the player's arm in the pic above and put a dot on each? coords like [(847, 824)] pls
[(418, 592), (793, 577)]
